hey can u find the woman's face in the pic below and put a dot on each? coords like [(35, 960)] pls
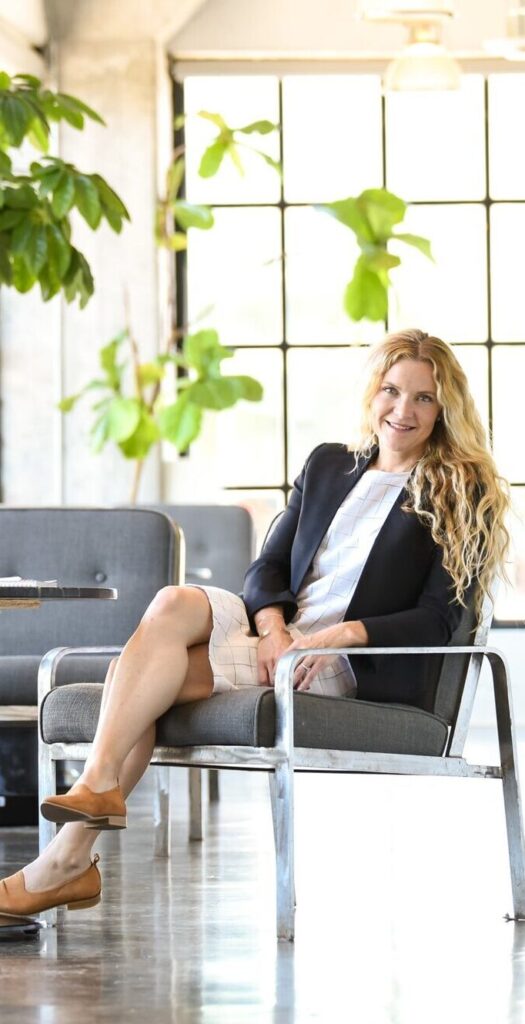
[(404, 411)]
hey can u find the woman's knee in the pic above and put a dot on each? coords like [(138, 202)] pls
[(185, 608)]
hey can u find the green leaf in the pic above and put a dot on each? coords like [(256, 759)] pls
[(68, 111), (180, 423), (212, 159), (100, 432), (150, 373), (64, 195), (49, 181), (67, 404), (177, 241), (422, 244), (5, 80), (87, 200), (112, 206), (274, 164), (21, 235), (382, 209), (10, 218), (204, 353), (123, 418), (6, 270), (78, 281), (15, 116), (108, 360), (235, 158), (261, 127), (175, 177), (36, 249), (145, 435), (366, 296), (189, 215), (39, 135), (73, 103), (59, 252), (23, 279), (22, 198), (249, 388), (349, 213), (378, 258), (216, 119), (217, 393), (5, 164)]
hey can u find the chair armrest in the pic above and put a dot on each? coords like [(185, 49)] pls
[(47, 671)]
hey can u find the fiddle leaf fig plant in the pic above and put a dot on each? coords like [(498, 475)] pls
[(36, 203), (372, 216), (138, 422)]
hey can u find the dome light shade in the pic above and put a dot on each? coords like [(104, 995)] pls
[(422, 66)]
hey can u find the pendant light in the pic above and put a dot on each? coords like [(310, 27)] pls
[(424, 64)]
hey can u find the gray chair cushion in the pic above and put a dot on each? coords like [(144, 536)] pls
[(247, 718)]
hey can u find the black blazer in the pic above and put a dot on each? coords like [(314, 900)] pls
[(404, 596)]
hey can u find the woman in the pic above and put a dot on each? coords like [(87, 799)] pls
[(378, 546)]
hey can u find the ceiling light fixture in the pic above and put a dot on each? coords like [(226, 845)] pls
[(424, 64), (512, 46)]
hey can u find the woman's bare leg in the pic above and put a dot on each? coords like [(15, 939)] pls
[(150, 676), (70, 851)]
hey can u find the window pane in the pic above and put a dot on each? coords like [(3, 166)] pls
[(245, 445), (263, 506), (506, 136), (508, 375), (323, 386), (234, 277), (448, 297), (331, 136), (510, 602), (436, 142), (506, 272), (474, 360), (240, 100), (320, 257)]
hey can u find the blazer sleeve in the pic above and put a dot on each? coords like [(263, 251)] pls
[(267, 581), (430, 623)]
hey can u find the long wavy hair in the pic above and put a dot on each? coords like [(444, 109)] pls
[(455, 488)]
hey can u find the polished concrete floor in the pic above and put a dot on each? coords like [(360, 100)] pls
[(402, 888)]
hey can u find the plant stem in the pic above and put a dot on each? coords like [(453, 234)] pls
[(137, 473)]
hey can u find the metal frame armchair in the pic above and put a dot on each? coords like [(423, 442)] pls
[(283, 732)]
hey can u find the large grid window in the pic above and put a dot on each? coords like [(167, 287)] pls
[(270, 276)]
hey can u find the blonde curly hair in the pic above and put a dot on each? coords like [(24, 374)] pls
[(455, 488)]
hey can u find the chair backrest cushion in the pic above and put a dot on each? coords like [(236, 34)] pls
[(219, 541), (134, 550)]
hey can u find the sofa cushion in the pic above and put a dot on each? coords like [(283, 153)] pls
[(69, 714)]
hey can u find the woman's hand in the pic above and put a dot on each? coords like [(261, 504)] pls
[(344, 634), (270, 648)]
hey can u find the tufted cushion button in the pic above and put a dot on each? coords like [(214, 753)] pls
[(100, 577)]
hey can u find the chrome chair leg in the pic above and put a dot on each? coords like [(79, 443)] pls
[(162, 812), (511, 788)]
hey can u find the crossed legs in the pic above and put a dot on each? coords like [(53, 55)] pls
[(165, 662)]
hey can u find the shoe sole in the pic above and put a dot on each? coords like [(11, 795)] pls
[(62, 815)]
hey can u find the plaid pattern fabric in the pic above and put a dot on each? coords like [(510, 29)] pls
[(324, 596)]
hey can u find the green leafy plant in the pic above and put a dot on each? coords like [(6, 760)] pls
[(35, 205), (175, 215), (372, 217), (135, 423)]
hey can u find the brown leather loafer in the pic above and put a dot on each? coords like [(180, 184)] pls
[(97, 810), (78, 894)]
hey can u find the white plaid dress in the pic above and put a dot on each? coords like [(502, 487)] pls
[(324, 596)]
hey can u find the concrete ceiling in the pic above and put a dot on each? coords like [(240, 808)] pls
[(118, 19)]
